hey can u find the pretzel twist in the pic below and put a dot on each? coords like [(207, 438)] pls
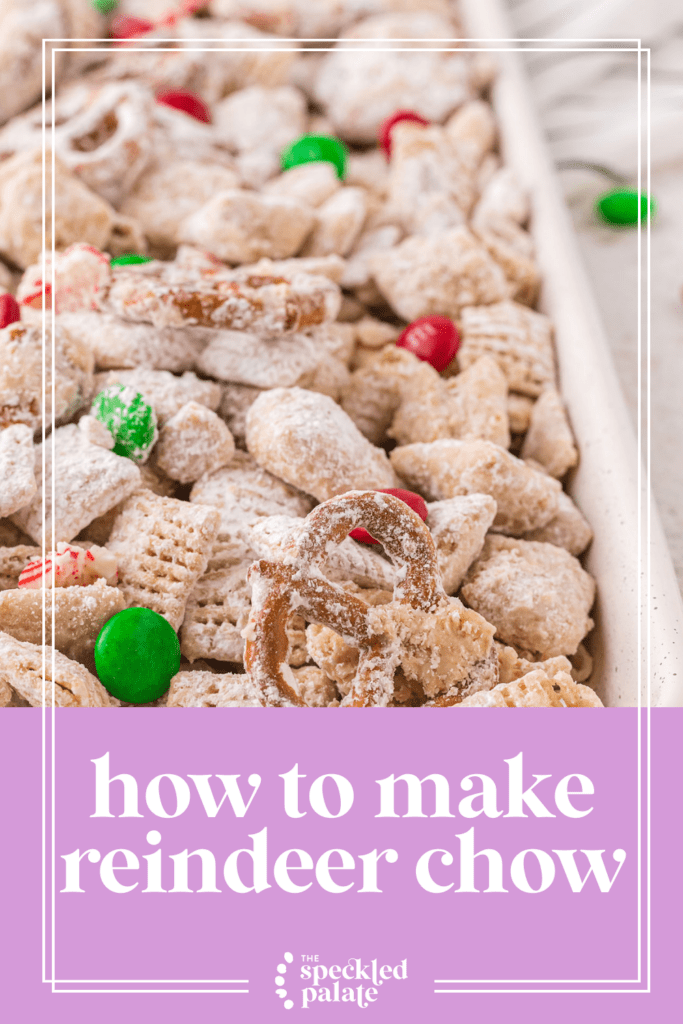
[(298, 584)]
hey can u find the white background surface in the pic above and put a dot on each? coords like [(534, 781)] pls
[(587, 106)]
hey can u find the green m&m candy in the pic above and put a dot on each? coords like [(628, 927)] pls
[(128, 259), (129, 419), (311, 149), (105, 6), (620, 206), (137, 653)]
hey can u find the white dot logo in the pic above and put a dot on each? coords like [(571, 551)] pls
[(280, 980)]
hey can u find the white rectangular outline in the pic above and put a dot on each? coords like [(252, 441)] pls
[(552, 49)]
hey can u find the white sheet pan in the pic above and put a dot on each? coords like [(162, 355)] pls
[(605, 484)]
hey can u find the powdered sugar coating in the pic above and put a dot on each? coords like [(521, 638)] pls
[(536, 595), (211, 690), (166, 393), (526, 498), (459, 527), (519, 339), (21, 667), (536, 690), (192, 442), (307, 440), (439, 273), (549, 439), (16, 468), (163, 546), (117, 343), (90, 481)]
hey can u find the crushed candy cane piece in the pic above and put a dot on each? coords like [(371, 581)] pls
[(81, 275), (70, 566)]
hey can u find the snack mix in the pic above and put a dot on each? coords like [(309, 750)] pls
[(297, 438)]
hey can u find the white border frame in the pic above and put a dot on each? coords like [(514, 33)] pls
[(251, 45)]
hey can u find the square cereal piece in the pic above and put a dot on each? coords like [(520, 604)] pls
[(536, 689), (218, 610), (373, 393), (163, 546), (314, 688), (519, 339), (193, 442), (89, 481), (211, 690), (526, 497), (165, 392), (440, 273), (549, 439), (16, 468), (21, 667), (12, 562), (471, 406), (120, 344), (80, 614), (536, 595), (459, 527), (235, 404)]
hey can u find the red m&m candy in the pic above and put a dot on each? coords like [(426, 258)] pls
[(413, 500), (433, 339), (389, 124), (9, 310), (188, 102), (126, 27)]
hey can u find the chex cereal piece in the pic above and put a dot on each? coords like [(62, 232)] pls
[(519, 339), (276, 537), (440, 273), (430, 189), (469, 407), (211, 690), (511, 666), (244, 487), (358, 94), (21, 667), (472, 131), (21, 375), (80, 614), (536, 690), (120, 344), (16, 468), (81, 276), (163, 546), (567, 529), (80, 215), (339, 222), (526, 498), (314, 688), (497, 221), (245, 358), (218, 609), (536, 595), (307, 440), (241, 226), (99, 530), (329, 377), (549, 439), (236, 401), (373, 333), (358, 270), (519, 412), (459, 527), (308, 183), (374, 391), (89, 481), (167, 193), (193, 442), (70, 566), (12, 562), (168, 297), (166, 393)]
